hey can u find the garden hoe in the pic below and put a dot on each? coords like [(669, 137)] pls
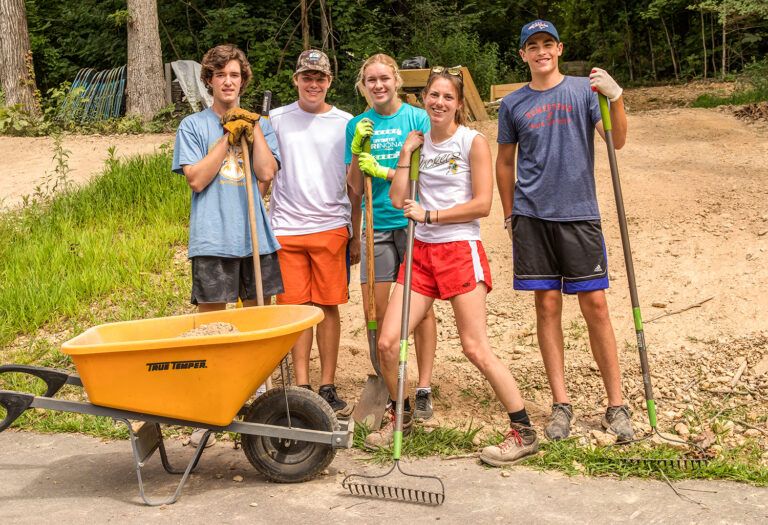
[(383, 486), (649, 400), (372, 403)]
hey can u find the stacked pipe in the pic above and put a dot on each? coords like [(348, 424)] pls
[(94, 95)]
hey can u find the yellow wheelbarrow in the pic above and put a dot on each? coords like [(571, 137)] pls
[(143, 371)]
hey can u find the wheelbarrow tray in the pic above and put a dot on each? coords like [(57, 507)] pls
[(144, 366)]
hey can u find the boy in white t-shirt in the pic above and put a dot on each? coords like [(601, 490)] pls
[(310, 212)]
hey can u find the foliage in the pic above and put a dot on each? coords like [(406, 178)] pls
[(639, 41)]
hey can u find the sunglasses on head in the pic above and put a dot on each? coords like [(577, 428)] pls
[(455, 71)]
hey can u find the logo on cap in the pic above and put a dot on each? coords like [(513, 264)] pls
[(314, 58), (538, 25)]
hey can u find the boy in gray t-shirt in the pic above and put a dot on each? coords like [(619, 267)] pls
[(552, 215), (208, 154)]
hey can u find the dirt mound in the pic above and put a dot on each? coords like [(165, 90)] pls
[(212, 329)]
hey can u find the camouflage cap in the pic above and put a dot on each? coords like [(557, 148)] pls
[(313, 60)]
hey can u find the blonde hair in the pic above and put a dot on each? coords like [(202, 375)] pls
[(458, 83), (378, 58)]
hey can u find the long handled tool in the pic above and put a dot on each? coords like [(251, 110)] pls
[(372, 404), (366, 485), (649, 400)]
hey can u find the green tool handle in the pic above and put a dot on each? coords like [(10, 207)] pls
[(401, 368), (606, 115)]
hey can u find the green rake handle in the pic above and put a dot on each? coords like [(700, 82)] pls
[(406, 311), (649, 401)]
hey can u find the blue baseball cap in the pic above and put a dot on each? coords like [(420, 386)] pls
[(537, 26)]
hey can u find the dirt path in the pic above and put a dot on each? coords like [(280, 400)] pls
[(695, 183), (80, 479), (26, 161)]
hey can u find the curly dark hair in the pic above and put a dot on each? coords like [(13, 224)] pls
[(220, 56)]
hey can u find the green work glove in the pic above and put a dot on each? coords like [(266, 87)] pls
[(239, 114), (363, 130), (370, 165), (237, 129)]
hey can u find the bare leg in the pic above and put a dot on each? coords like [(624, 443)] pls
[(389, 338), (300, 355), (594, 307), (328, 335), (425, 338), (549, 331), (469, 309)]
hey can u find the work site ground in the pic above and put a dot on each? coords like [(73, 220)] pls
[(71, 478)]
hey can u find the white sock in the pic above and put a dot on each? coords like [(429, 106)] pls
[(427, 389)]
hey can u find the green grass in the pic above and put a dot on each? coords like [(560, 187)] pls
[(117, 233), (422, 442), (568, 456), (750, 96)]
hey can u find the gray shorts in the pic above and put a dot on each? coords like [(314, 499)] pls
[(389, 252), (224, 280)]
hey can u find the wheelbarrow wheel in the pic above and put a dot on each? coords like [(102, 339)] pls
[(289, 460)]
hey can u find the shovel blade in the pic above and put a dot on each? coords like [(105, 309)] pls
[(372, 404)]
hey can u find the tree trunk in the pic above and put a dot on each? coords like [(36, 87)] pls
[(703, 39), (145, 85), (650, 47), (304, 24), (323, 26), (17, 74), (722, 65), (628, 43), (712, 35), (671, 49)]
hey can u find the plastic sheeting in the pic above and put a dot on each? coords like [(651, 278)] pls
[(188, 74)]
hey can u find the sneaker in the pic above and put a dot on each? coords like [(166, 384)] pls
[(519, 443), (386, 436), (423, 410), (617, 421), (328, 392), (197, 436), (560, 422)]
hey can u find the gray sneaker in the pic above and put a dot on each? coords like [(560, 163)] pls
[(384, 437), (559, 426), (617, 421), (423, 410), (519, 443)]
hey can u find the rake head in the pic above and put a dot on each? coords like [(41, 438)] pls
[(655, 463), (677, 463), (377, 487)]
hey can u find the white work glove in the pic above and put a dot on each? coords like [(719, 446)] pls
[(601, 81), (508, 226)]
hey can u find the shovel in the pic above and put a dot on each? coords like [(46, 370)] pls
[(371, 406)]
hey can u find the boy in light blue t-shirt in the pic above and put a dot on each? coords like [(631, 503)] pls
[(219, 231)]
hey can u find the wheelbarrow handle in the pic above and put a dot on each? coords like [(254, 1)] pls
[(53, 377), (14, 403)]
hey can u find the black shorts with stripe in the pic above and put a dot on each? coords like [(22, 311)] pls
[(224, 280), (552, 255)]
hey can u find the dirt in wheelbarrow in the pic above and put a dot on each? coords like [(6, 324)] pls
[(695, 185), (217, 328)]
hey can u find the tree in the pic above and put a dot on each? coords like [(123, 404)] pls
[(17, 74), (145, 86)]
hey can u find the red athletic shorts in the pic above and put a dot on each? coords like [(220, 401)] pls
[(443, 270)]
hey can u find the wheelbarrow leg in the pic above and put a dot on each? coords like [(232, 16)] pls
[(140, 463)]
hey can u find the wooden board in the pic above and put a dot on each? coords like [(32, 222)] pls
[(417, 79), (502, 90)]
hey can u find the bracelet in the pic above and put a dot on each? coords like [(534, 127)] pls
[(426, 217), (404, 166)]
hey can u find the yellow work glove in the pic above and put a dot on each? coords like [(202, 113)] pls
[(239, 128), (239, 114)]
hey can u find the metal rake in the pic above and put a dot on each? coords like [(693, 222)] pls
[(363, 485)]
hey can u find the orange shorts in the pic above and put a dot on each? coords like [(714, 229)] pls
[(314, 267)]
